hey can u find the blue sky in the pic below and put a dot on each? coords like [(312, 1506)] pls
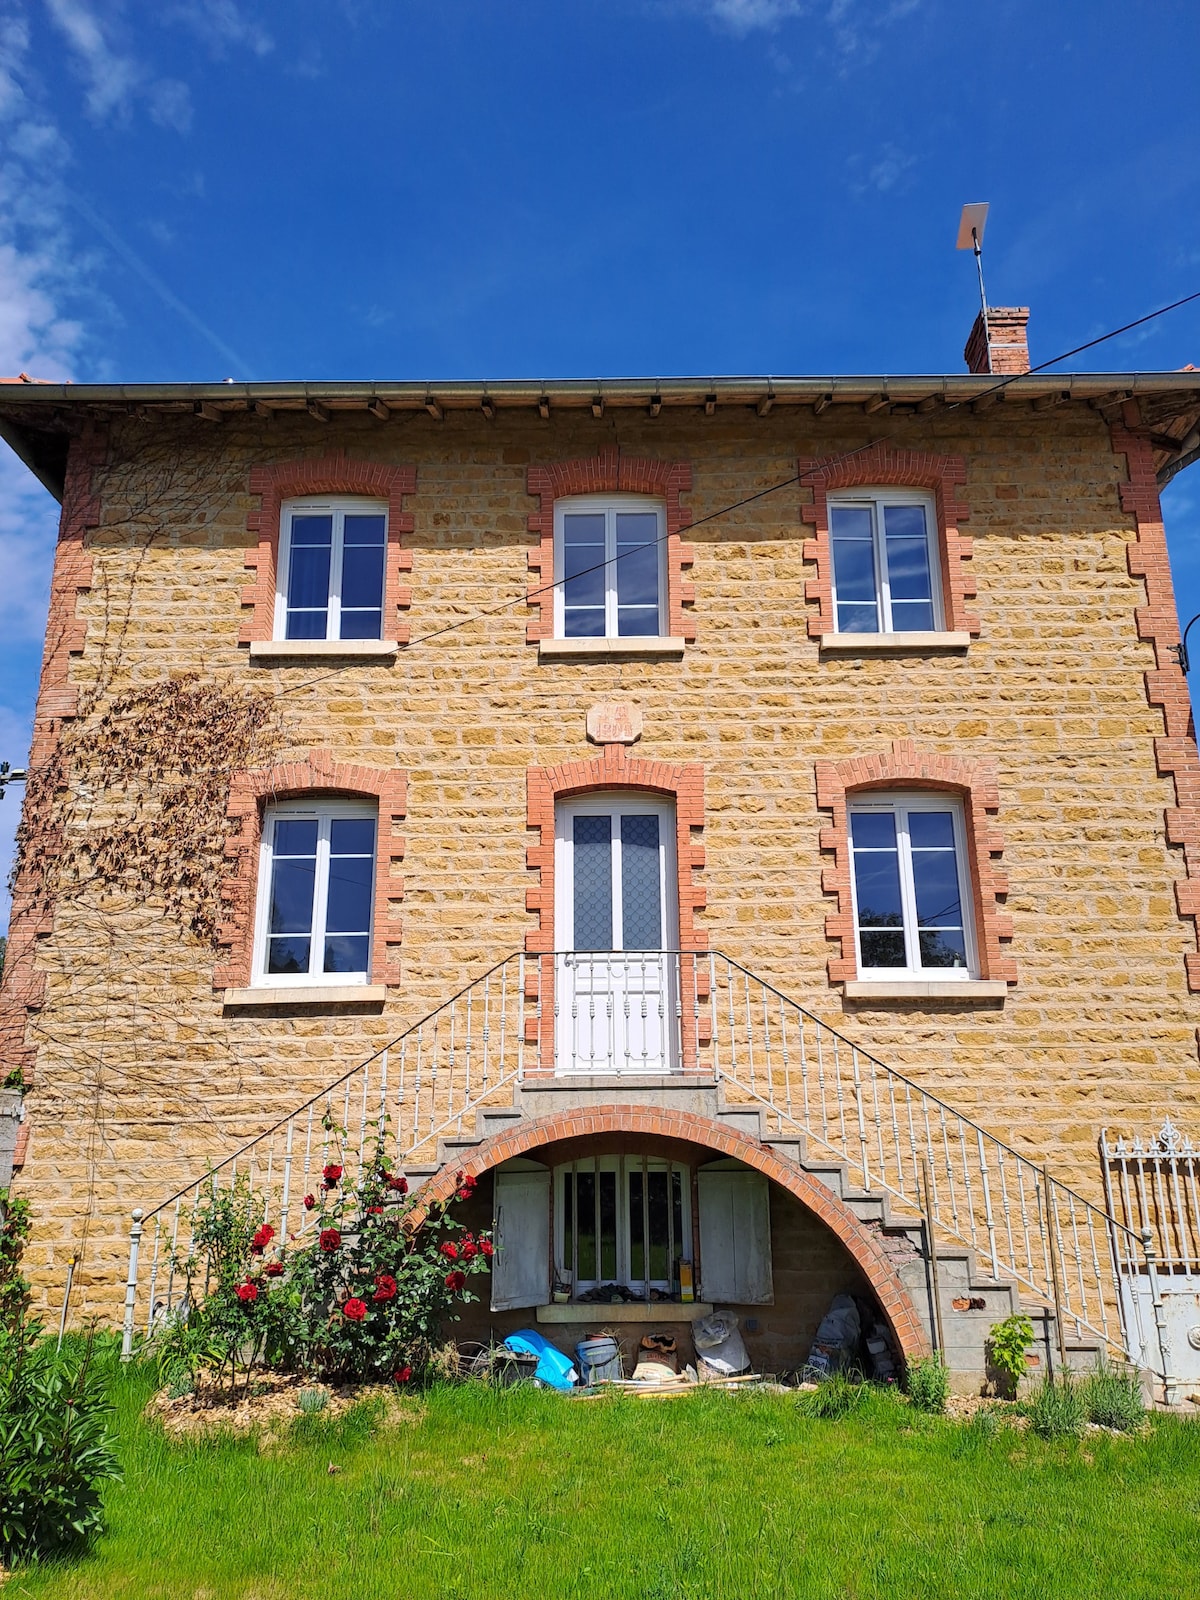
[(200, 189)]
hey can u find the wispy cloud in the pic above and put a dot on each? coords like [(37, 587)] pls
[(885, 171), (112, 76), (220, 24), (745, 16)]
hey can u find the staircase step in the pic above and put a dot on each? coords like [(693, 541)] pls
[(742, 1119), (491, 1120)]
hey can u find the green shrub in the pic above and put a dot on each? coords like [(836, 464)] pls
[(1057, 1410), (928, 1384), (1007, 1344), (1114, 1399), (834, 1397), (14, 1230), (54, 1447)]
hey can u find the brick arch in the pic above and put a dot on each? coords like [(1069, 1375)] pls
[(907, 767), (333, 474), (882, 467), (610, 472), (588, 1121), (316, 774)]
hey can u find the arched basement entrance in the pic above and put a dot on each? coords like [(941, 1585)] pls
[(816, 1246)]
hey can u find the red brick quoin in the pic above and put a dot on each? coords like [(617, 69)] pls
[(591, 1121), (614, 768), (318, 774), (609, 473), (1166, 686), (24, 987), (882, 467), (337, 474), (909, 768)]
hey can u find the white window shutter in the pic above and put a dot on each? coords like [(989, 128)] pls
[(521, 1233), (735, 1237)]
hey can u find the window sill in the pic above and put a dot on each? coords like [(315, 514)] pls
[(316, 994), (607, 649), (969, 990), (581, 1312), (885, 644), (299, 649)]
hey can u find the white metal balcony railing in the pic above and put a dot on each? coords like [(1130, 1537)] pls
[(661, 1012)]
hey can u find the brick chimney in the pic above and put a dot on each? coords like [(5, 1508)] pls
[(1009, 340)]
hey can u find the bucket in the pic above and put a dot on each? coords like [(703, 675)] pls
[(599, 1359)]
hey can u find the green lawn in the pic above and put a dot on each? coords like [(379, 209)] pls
[(498, 1494)]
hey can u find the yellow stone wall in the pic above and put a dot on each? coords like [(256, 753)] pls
[(142, 1077)]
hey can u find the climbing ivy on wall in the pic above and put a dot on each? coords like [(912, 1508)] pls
[(132, 802)]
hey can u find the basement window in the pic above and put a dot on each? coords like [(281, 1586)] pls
[(623, 1220)]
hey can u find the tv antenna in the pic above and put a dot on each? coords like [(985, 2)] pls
[(970, 237)]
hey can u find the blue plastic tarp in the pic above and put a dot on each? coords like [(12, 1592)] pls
[(553, 1369)]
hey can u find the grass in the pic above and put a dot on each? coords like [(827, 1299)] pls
[(716, 1496)]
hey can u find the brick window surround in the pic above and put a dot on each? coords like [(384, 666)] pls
[(1166, 686), (613, 769), (907, 767), (882, 467), (335, 474), (610, 473), (316, 774)]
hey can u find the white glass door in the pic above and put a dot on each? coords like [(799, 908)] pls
[(616, 982)]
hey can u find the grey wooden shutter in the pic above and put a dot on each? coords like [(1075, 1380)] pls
[(521, 1264), (735, 1237)]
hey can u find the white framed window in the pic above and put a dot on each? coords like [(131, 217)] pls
[(622, 1219), (912, 900), (316, 890), (885, 562), (332, 561), (610, 567)]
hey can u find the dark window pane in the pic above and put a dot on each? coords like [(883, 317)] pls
[(348, 909), (641, 889), (877, 883), (931, 830), (881, 949), (636, 527), (312, 530), (586, 1210), (287, 955), (362, 529), (857, 618), (583, 622), (292, 883), (935, 877), (637, 576), (362, 624), (908, 569), (593, 883), (913, 616), (873, 830), (585, 590), (637, 622), (850, 522), (583, 527), (904, 522), (362, 577), (659, 1207), (637, 1233), (945, 948), (344, 953), (608, 1226), (308, 577), (307, 625), (352, 836), (854, 569), (295, 838)]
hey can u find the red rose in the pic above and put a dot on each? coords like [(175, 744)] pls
[(330, 1239), (374, 1211), (466, 1185), (486, 1246), (274, 1269), (247, 1292), (402, 1376), (469, 1251), (385, 1286), (450, 1251), (331, 1174), (262, 1238), (455, 1280), (310, 1201), (400, 1185), (356, 1310)]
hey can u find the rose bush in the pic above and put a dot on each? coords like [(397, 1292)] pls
[(362, 1293)]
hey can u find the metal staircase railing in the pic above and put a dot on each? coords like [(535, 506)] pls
[(699, 1012)]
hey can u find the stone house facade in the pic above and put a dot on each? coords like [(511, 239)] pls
[(735, 772)]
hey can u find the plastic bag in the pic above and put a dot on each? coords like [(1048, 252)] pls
[(553, 1369), (719, 1343)]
